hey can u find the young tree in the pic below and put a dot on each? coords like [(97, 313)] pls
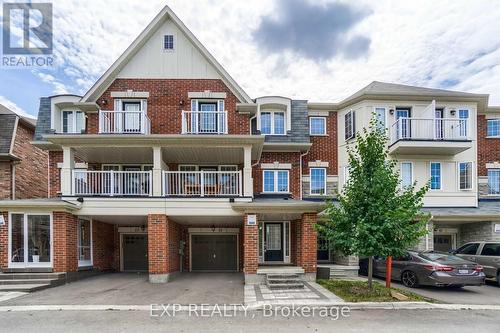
[(374, 215)]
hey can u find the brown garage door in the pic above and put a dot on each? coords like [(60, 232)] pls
[(135, 252), (214, 253)]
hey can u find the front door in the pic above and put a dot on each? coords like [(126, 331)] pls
[(273, 242), (132, 117), (443, 243), (208, 117), (404, 125), (135, 252), (439, 124)]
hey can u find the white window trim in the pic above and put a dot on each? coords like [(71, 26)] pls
[(353, 126), (440, 176), (173, 43), (275, 186), (487, 121), (25, 236), (324, 127), (386, 117), (471, 176), (401, 173), (488, 179), (85, 263), (74, 121), (310, 181), (272, 112)]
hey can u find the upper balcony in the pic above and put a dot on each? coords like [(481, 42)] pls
[(124, 122), (204, 122), (429, 136)]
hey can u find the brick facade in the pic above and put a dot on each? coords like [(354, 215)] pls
[(250, 246), (103, 246), (65, 256), (4, 237), (324, 148), (293, 176), (488, 149), (163, 244), (306, 239), (5, 180)]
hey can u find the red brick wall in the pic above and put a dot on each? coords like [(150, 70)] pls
[(158, 244), (488, 148), (293, 176), (164, 109), (103, 242), (54, 173), (65, 242), (5, 180), (250, 247), (4, 241), (174, 238), (324, 148), (31, 172), (306, 242)]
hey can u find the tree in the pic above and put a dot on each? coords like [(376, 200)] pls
[(374, 215)]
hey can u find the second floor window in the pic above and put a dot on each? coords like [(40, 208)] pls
[(465, 175), (494, 181), (73, 122), (318, 181), (493, 128), (349, 125), (380, 116), (272, 122), (317, 126), (275, 181), (435, 176), (406, 174)]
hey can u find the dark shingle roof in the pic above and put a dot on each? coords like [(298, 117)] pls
[(7, 125)]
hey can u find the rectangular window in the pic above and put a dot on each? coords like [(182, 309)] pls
[(493, 127), (168, 42), (349, 125), (317, 126), (318, 181), (272, 123), (275, 181), (84, 243), (406, 174), (494, 181), (465, 175), (380, 116), (435, 176), (73, 122)]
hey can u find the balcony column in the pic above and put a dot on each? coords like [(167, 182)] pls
[(157, 172), (247, 172), (66, 170)]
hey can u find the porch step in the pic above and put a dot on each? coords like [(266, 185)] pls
[(29, 282), (31, 276), (25, 287), (284, 281)]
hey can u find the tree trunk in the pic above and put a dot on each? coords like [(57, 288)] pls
[(370, 272)]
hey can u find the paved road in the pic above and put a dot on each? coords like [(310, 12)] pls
[(359, 321)]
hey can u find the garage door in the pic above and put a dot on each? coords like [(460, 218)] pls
[(214, 253), (135, 252)]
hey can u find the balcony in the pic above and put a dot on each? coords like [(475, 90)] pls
[(202, 183), (124, 122), (112, 183), (439, 136), (204, 122)]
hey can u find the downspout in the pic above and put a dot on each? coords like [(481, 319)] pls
[(300, 168)]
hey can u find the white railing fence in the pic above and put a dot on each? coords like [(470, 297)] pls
[(429, 129), (124, 122), (202, 183), (111, 183), (204, 122)]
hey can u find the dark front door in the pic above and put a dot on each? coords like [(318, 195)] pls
[(214, 253), (442, 243), (323, 251), (135, 252), (273, 242)]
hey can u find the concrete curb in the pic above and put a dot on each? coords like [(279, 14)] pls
[(185, 308)]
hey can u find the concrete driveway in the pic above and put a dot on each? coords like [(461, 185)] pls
[(134, 289)]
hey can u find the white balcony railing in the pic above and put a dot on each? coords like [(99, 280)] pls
[(430, 129), (202, 183), (204, 122), (112, 183), (124, 122)]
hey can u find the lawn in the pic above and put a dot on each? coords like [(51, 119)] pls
[(357, 291)]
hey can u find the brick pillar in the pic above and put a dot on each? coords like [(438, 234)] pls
[(4, 243), (250, 249), (65, 235), (307, 243), (163, 248)]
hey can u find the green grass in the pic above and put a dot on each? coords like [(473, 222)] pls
[(357, 291)]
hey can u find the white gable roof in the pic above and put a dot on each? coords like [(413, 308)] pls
[(125, 67)]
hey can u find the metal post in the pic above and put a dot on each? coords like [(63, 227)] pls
[(388, 272)]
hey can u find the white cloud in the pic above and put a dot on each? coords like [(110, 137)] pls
[(448, 44), (13, 107)]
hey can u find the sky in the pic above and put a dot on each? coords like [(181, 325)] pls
[(322, 50)]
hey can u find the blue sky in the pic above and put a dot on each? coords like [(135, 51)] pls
[(317, 50)]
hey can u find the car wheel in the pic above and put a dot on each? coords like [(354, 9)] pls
[(409, 279)]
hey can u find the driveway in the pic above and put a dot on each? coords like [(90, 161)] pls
[(134, 289)]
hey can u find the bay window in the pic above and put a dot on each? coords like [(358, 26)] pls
[(406, 173), (272, 122), (73, 122)]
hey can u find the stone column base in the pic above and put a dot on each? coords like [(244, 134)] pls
[(161, 278)]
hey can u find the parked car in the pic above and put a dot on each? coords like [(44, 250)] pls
[(429, 268), (486, 254)]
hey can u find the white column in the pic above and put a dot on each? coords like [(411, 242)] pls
[(157, 171), (66, 170), (247, 172)]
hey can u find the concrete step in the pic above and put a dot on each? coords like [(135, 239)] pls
[(25, 287), (31, 276), (281, 276), (286, 286), (284, 281), (29, 281)]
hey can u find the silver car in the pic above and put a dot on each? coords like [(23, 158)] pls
[(430, 269), (486, 254)]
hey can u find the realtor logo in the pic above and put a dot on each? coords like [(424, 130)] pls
[(27, 34)]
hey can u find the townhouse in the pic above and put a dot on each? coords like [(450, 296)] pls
[(166, 165)]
